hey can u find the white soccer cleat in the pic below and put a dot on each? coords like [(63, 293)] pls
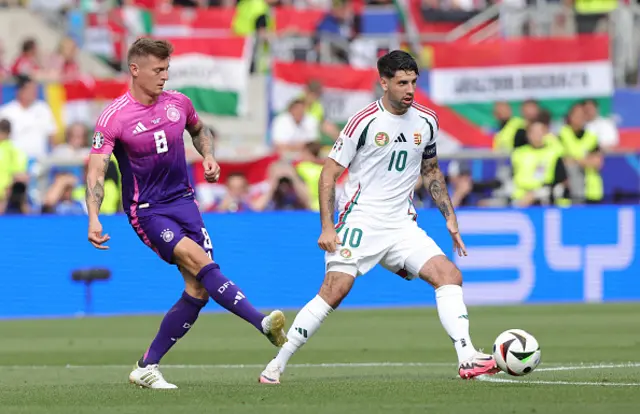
[(149, 377), (273, 328), (271, 374)]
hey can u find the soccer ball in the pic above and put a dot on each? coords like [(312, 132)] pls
[(516, 352)]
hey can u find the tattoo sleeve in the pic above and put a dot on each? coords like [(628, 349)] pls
[(95, 183), (435, 183), (327, 195), (203, 139)]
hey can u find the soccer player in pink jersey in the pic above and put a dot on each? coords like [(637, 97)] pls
[(143, 129)]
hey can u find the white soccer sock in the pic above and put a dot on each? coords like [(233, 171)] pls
[(455, 319), (306, 323)]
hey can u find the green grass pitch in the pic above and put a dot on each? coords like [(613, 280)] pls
[(590, 364)]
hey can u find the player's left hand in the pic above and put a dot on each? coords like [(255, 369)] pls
[(458, 244), (211, 170)]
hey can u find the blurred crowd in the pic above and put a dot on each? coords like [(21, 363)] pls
[(549, 162)]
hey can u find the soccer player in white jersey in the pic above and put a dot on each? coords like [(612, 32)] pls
[(386, 147)]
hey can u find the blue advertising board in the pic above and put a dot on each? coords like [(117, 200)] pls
[(537, 255)]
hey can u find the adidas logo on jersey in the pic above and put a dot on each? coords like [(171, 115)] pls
[(400, 138), (139, 128)]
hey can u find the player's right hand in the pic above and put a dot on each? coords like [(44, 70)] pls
[(329, 240), (95, 235)]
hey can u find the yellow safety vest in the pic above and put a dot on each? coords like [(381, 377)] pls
[(247, 13), (579, 148), (310, 174), (553, 141), (533, 168), (317, 111), (12, 161), (595, 6), (504, 139)]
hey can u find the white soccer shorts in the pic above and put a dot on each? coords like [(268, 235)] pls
[(402, 250)]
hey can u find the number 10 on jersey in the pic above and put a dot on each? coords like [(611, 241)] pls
[(398, 160)]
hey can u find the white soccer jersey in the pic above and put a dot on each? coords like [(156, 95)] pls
[(384, 154)]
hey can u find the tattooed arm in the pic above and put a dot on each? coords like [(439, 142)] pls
[(435, 183), (98, 165), (327, 194), (202, 137), (203, 140)]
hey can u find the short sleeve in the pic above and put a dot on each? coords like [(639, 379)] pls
[(192, 115), (433, 130), (345, 148), (105, 134)]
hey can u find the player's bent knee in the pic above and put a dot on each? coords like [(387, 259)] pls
[(336, 287), (196, 291), (440, 271), (190, 256)]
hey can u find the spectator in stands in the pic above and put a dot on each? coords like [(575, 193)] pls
[(592, 15), (76, 143), (604, 128), (309, 168), (530, 111), (287, 190), (27, 63), (33, 126), (313, 102), (460, 183), (292, 129), (539, 174), (237, 198), (253, 18), (64, 65), (336, 30), (508, 125), (13, 163), (75, 149), (583, 156), (17, 202), (59, 198)]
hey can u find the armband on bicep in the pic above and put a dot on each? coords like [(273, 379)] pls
[(429, 152)]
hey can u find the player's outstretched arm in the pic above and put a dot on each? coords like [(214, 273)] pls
[(437, 186), (98, 165)]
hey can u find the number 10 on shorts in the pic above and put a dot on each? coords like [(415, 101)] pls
[(352, 237)]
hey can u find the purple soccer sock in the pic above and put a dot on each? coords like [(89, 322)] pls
[(228, 295), (174, 326)]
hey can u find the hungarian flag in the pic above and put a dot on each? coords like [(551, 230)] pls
[(214, 73), (470, 78), (345, 90)]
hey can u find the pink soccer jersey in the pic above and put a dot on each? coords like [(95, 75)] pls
[(147, 142)]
